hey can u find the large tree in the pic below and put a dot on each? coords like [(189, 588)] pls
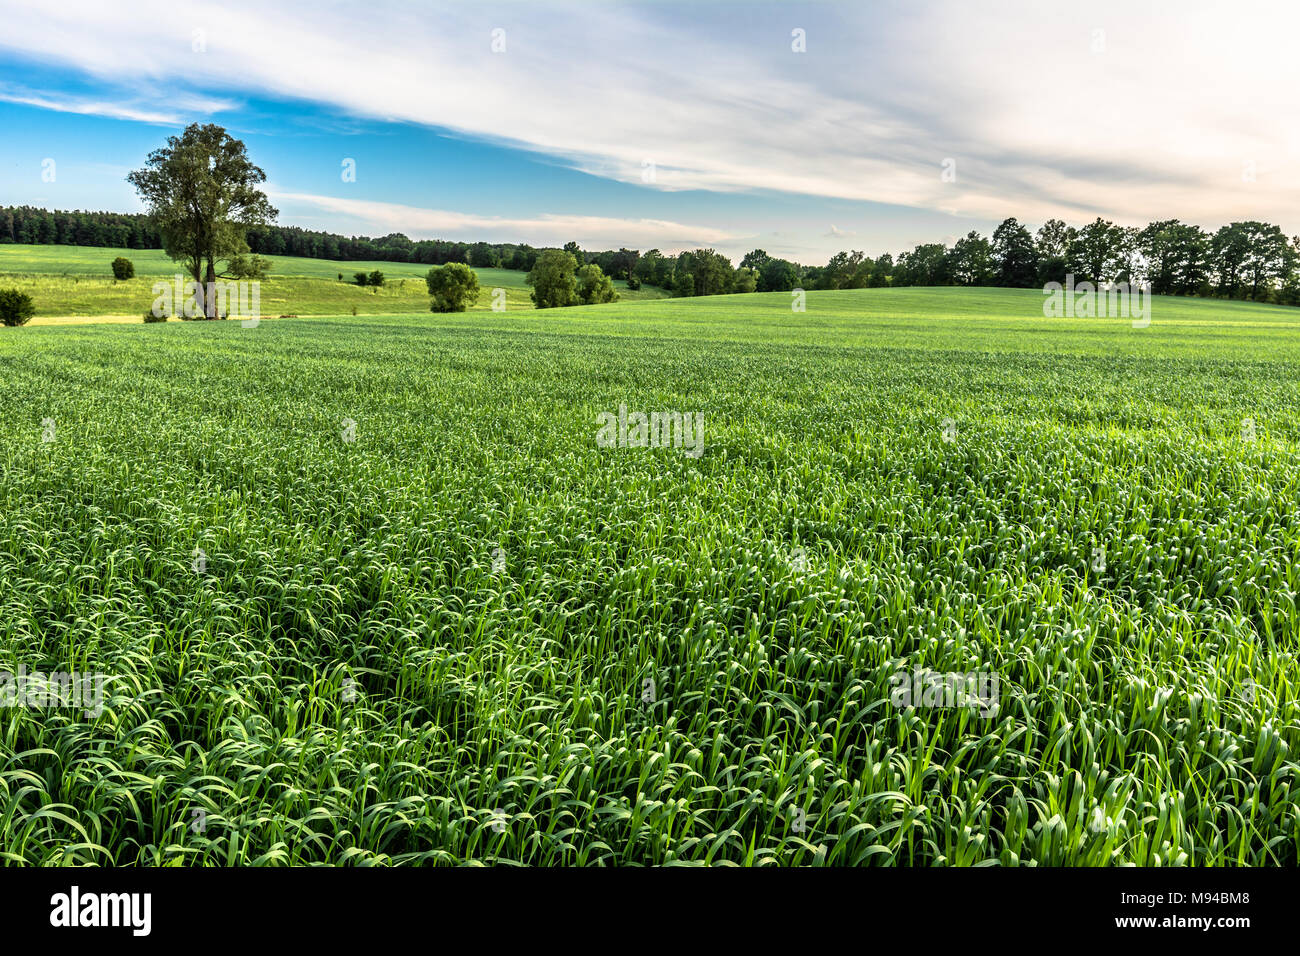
[(927, 264), (1015, 260), (1229, 249), (202, 192), (1053, 242), (1290, 292), (881, 271), (1267, 263), (844, 271), (1175, 256), (972, 260), (624, 265), (1103, 252), (777, 275), (745, 280), (1159, 245), (712, 271), (647, 266)]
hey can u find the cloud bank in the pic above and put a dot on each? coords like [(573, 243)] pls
[(1129, 110)]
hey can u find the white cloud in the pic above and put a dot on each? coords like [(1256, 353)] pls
[(380, 218)]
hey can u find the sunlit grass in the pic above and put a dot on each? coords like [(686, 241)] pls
[(77, 281)]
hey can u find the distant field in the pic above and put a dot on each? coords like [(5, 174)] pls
[(975, 322), (78, 281), (467, 633), (95, 260)]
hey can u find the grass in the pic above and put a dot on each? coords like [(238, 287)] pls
[(77, 281), (432, 644)]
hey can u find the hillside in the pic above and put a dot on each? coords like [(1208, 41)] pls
[(77, 281)]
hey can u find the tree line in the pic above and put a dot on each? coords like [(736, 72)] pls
[(29, 225), (1242, 260)]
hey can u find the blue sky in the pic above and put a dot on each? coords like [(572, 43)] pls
[(1125, 110)]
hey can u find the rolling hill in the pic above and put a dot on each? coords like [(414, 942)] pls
[(77, 282)]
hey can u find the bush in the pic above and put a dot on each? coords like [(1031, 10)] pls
[(376, 278), (454, 287), (594, 286), (633, 282), (553, 280), (150, 317), (15, 307), (249, 267), (123, 268), (361, 278)]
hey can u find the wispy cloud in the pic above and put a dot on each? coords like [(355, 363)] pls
[(379, 218), (91, 108), (126, 107)]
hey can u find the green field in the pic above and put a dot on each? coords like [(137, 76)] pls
[(356, 674), (78, 281)]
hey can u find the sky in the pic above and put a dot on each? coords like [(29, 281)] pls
[(801, 129)]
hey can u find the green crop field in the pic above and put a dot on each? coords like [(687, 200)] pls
[(365, 590), (78, 281)]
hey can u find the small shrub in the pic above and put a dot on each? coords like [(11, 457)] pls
[(361, 278), (123, 268), (376, 278), (150, 317), (15, 307), (250, 267), (594, 286)]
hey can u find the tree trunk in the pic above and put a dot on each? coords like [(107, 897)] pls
[(209, 288)]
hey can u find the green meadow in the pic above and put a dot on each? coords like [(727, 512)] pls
[(364, 590), (78, 281)]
